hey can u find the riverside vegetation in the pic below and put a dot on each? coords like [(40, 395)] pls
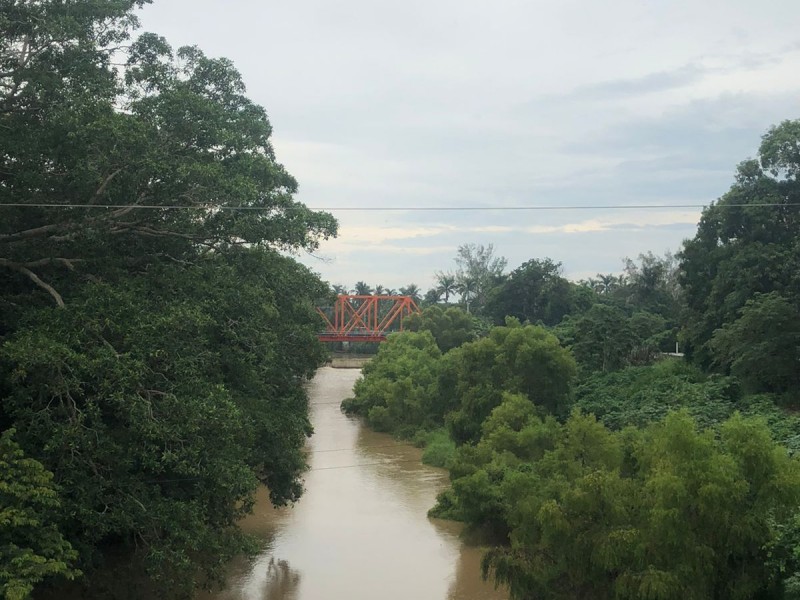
[(152, 359), (595, 465)]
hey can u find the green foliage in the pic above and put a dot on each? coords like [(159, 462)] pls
[(762, 346), (412, 290), (187, 135), (743, 248), (641, 395), (668, 511), (534, 292), (152, 359), (451, 327), (779, 152), (651, 285), (362, 289), (446, 285), (160, 412), (439, 447), (398, 388), (603, 338), (515, 358), (31, 546), (479, 270), (638, 396), (410, 386)]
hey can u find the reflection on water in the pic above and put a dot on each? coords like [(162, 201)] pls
[(360, 530), (280, 581)]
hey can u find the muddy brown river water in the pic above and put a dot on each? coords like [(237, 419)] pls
[(360, 530)]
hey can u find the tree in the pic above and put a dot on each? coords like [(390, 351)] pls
[(450, 327), (519, 359), (447, 285), (652, 284), (637, 396), (668, 511), (31, 546), (142, 395), (432, 296), (398, 389), (478, 270), (746, 243), (466, 288), (762, 346), (412, 290), (606, 284), (534, 292), (142, 154), (152, 358), (362, 289), (603, 338)]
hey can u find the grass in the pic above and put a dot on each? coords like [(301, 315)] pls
[(439, 448)]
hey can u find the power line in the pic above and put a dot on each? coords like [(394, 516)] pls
[(353, 466), (356, 448), (372, 464), (398, 208)]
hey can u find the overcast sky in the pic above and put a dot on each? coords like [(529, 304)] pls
[(509, 103)]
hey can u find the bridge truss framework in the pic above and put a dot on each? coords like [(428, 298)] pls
[(359, 318)]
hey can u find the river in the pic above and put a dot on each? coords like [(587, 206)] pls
[(360, 530)]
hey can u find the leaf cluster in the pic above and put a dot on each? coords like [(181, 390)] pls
[(667, 511)]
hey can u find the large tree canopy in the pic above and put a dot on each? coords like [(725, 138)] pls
[(747, 243), (153, 342), (478, 271), (664, 512), (535, 291), (520, 359), (450, 327), (178, 131)]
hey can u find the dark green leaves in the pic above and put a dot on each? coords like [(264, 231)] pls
[(665, 512), (742, 249), (171, 383)]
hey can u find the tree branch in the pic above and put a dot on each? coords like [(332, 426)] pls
[(67, 262), (150, 231), (35, 278), (29, 233), (105, 183)]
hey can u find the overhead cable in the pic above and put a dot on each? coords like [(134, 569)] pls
[(552, 207)]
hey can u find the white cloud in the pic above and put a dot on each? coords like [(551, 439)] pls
[(463, 103)]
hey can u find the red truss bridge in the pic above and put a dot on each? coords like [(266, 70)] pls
[(365, 318)]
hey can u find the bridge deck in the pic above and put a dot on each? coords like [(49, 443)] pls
[(351, 337)]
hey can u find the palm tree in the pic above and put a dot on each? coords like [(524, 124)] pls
[(447, 285), (606, 283), (338, 289), (412, 289), (380, 290), (433, 296), (467, 288), (590, 283), (362, 289)]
